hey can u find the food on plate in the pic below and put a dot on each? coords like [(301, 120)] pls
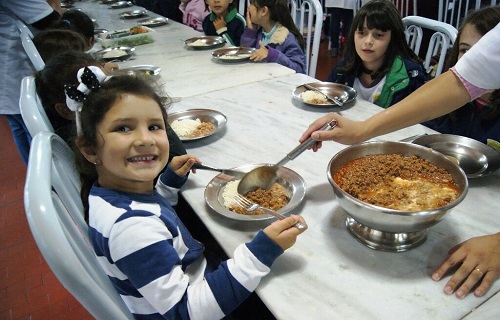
[(117, 53), (198, 43), (274, 198), (313, 97), (397, 182), (235, 56), (192, 128)]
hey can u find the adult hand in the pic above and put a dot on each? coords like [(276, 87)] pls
[(182, 164), (259, 54), (219, 23), (346, 131), (283, 233), (480, 264)]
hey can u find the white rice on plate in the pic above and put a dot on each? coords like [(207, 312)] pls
[(185, 127), (313, 97), (198, 43), (229, 192)]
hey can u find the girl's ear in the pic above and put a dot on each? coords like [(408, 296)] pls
[(87, 151), (264, 10), (64, 112)]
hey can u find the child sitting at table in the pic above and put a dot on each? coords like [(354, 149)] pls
[(377, 61), (480, 118), (80, 22), (193, 13), (271, 30), (225, 21), (53, 41), (163, 272), (50, 81)]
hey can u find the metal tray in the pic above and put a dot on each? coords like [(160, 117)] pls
[(345, 93), (205, 115), (291, 180), (128, 50), (475, 158), (233, 54), (132, 14), (155, 22), (206, 42)]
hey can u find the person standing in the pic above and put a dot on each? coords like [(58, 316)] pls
[(14, 62), (341, 14)]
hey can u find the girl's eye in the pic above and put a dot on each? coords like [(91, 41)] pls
[(360, 33), (123, 129), (463, 50), (155, 127), (379, 35)]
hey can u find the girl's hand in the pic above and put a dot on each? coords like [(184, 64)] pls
[(182, 164), (480, 265), (259, 54), (219, 23), (346, 132), (250, 24), (109, 67), (282, 232)]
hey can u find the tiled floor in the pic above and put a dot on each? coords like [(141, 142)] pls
[(28, 289)]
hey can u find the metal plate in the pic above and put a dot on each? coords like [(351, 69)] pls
[(132, 14), (218, 119), (108, 1), (233, 54), (101, 53), (139, 70), (121, 4), (206, 42), (155, 22), (291, 180), (345, 93), (474, 157)]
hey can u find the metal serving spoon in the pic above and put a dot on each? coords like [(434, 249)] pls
[(264, 177)]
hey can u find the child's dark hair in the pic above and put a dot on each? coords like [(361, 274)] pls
[(50, 81), (280, 12), (53, 41), (94, 109), (77, 21), (483, 21), (382, 15)]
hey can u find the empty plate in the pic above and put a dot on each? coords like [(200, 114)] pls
[(155, 22)]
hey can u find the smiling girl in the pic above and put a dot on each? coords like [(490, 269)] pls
[(377, 61), (154, 262)]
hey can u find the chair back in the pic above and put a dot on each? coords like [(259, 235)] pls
[(29, 47), (31, 107), (60, 231), (441, 40), (453, 11), (308, 17)]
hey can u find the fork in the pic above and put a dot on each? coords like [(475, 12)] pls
[(252, 206)]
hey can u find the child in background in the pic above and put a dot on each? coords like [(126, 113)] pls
[(341, 13), (271, 30), (50, 81), (80, 22), (162, 273), (224, 20), (193, 13), (479, 119), (377, 62), (53, 41)]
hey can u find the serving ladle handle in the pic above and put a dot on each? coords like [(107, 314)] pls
[(306, 144)]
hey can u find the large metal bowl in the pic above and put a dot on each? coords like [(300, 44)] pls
[(389, 229)]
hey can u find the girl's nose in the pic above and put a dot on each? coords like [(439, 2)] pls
[(145, 138)]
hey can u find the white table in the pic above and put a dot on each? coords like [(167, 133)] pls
[(329, 274), (185, 72)]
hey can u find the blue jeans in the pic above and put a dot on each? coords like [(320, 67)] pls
[(21, 135)]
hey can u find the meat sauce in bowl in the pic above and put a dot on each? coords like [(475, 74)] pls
[(399, 182)]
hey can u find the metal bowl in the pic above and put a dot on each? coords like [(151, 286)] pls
[(218, 119), (388, 229), (474, 157), (344, 93), (291, 180)]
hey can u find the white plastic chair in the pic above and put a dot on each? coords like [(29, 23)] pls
[(443, 38), (60, 232), (31, 108), (453, 11), (29, 46), (304, 14)]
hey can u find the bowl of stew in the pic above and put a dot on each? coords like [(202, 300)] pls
[(392, 192)]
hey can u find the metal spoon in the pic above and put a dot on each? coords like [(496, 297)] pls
[(264, 177)]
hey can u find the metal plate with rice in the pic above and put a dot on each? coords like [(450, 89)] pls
[(206, 42), (145, 69), (345, 93), (132, 14), (155, 22), (293, 183), (115, 53), (233, 54), (218, 119)]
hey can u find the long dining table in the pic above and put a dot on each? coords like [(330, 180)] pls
[(327, 274)]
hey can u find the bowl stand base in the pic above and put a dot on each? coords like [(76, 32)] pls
[(383, 240)]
